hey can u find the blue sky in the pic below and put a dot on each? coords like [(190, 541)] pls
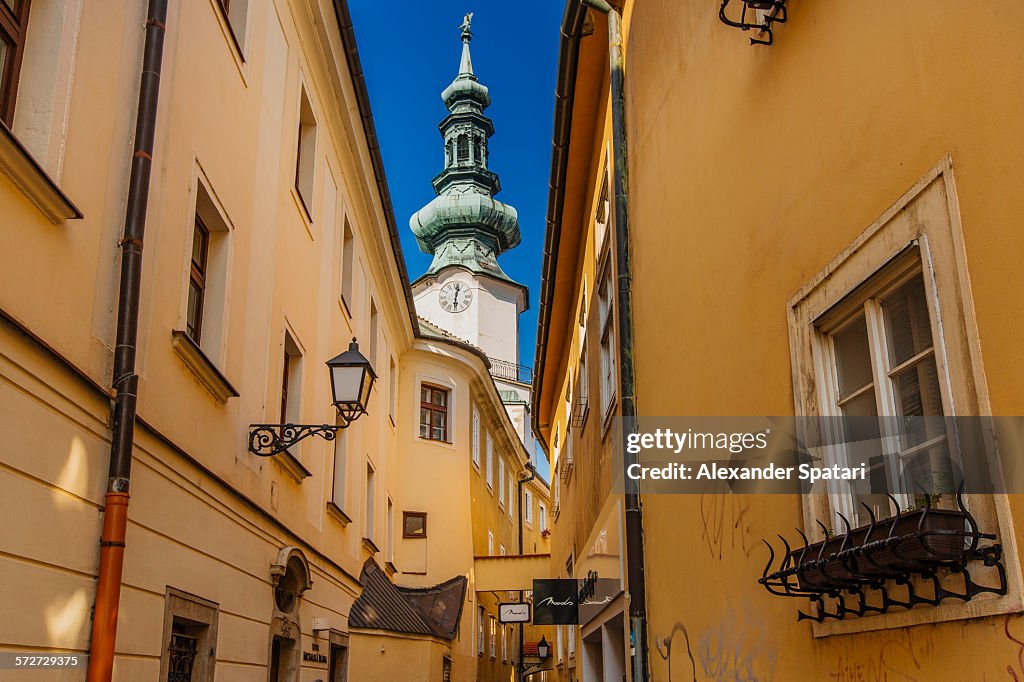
[(410, 52)]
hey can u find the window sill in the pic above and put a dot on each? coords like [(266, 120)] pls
[(338, 514), (433, 441), (304, 212), (29, 177), (943, 613), (291, 466), (370, 546), (204, 369)]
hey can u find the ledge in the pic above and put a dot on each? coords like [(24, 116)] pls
[(28, 176), (370, 546), (390, 569), (339, 515), (202, 367), (291, 466)]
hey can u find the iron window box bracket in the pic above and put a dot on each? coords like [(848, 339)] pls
[(859, 570)]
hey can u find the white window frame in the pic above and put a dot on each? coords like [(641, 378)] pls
[(501, 481), (476, 438), (542, 516), (608, 364), (490, 543), (480, 626), (528, 507)]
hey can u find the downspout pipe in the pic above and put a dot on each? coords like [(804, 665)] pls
[(125, 381), (624, 303), (522, 482)]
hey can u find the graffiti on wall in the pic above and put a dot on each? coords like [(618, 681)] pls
[(726, 523)]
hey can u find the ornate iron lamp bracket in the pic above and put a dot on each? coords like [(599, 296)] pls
[(774, 13), (267, 440)]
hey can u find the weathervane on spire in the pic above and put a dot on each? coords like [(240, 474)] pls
[(467, 20)]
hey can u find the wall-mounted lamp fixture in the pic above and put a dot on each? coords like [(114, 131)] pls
[(758, 15), (352, 378)]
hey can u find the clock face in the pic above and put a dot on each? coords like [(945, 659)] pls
[(456, 297)]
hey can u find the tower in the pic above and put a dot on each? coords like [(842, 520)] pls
[(465, 291)]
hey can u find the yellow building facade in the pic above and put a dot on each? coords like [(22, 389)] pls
[(270, 243), (780, 196)]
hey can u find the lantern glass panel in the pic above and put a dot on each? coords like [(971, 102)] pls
[(346, 382)]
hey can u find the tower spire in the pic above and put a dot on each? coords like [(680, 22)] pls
[(464, 225)]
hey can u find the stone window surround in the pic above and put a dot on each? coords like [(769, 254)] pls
[(198, 611), (929, 215)]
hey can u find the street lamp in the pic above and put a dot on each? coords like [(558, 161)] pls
[(352, 378), (543, 648)]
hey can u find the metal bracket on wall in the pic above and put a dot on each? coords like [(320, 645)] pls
[(765, 13)]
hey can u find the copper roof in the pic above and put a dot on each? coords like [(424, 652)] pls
[(422, 611)]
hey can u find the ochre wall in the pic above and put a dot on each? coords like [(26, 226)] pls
[(750, 169)]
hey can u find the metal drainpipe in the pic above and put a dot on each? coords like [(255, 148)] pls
[(125, 381), (522, 482), (627, 384)]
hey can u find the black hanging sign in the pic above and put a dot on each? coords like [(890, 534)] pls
[(556, 602)]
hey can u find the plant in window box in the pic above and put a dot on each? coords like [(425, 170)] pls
[(895, 550)]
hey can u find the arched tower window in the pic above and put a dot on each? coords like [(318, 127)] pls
[(479, 152), (449, 153), (463, 149)]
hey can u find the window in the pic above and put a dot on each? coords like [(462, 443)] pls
[(558, 641), (433, 413), (504, 642), (570, 636), (348, 261), (501, 550), (880, 352), (528, 507), (389, 549), (205, 310), (13, 29), (501, 481), (340, 466), (542, 516), (493, 635), (190, 637), (480, 630), (291, 380), (305, 161), (462, 149), (414, 524), (236, 12), (602, 212), (476, 438), (490, 543), (197, 280), (511, 496), (605, 297), (392, 388), (490, 461), (368, 514), (373, 333)]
